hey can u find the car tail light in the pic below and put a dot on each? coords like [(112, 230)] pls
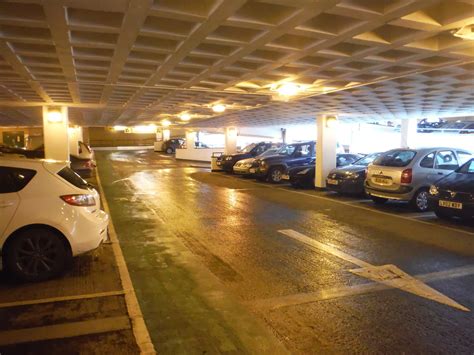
[(88, 164), (407, 176), (79, 200)]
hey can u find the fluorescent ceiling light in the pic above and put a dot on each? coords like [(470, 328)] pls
[(165, 123), (185, 116), (288, 89), (55, 115), (218, 108), (120, 128)]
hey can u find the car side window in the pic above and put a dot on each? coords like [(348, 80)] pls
[(446, 160), (303, 150), (14, 179), (428, 161), (463, 157), (260, 149)]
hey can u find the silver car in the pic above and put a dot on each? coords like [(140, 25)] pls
[(406, 174)]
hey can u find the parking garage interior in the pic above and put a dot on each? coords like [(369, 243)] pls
[(155, 104)]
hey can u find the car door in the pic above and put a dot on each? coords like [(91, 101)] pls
[(9, 198), (445, 162), (302, 155), (426, 172)]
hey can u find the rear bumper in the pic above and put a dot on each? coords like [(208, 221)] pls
[(91, 231), (404, 194)]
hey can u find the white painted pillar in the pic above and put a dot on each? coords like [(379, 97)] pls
[(408, 132), (326, 144), (166, 134), (230, 140), (190, 140), (55, 132), (75, 136)]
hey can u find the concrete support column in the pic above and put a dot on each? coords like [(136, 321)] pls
[(166, 134), (190, 140), (230, 140), (408, 132), (75, 136), (325, 148), (55, 132)]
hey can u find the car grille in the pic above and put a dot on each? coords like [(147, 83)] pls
[(456, 196), (337, 175)]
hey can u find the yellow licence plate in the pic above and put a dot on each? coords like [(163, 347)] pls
[(285, 177), (333, 182), (450, 204), (382, 181)]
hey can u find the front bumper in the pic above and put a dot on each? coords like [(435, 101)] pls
[(467, 210), (346, 186), (239, 170)]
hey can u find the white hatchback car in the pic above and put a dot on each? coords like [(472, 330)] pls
[(48, 214)]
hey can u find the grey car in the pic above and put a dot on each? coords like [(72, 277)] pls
[(406, 174)]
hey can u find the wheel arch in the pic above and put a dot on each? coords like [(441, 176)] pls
[(32, 226)]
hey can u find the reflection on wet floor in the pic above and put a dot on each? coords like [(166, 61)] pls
[(204, 248)]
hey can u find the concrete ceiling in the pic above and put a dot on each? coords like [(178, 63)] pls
[(139, 61)]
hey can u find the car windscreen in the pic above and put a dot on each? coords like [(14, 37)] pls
[(366, 160), (70, 176), (467, 168), (396, 158), (248, 148)]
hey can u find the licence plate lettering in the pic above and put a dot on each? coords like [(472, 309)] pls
[(450, 204), (252, 171), (333, 182), (382, 181)]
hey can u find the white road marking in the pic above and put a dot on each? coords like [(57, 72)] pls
[(389, 275), (139, 328), (60, 299), (346, 291), (64, 330)]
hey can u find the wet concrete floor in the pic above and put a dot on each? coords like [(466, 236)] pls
[(222, 264)]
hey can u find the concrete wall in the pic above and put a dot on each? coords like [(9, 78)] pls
[(106, 137), (33, 135), (200, 154)]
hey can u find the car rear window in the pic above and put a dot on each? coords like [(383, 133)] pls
[(14, 179), (70, 176), (396, 158)]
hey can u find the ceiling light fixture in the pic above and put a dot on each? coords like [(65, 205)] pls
[(218, 108), (185, 116), (288, 89), (120, 128), (55, 115), (466, 32), (165, 123)]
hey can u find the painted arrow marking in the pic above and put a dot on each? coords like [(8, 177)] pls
[(389, 275)]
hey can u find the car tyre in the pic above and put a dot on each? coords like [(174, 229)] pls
[(36, 254), (379, 200), (275, 175), (420, 201), (169, 150)]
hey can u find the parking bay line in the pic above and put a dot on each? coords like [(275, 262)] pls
[(64, 330), (388, 275), (61, 299), (361, 206)]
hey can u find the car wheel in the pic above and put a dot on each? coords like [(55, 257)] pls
[(169, 150), (36, 254), (275, 175), (420, 200), (379, 200), (442, 215)]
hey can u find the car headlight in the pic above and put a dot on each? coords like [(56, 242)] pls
[(262, 163), (228, 158), (434, 190), (352, 175), (303, 172)]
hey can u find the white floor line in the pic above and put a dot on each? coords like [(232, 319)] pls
[(63, 330), (387, 274), (346, 291), (60, 299), (138, 323)]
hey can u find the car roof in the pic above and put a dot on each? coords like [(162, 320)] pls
[(22, 162), (429, 149)]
